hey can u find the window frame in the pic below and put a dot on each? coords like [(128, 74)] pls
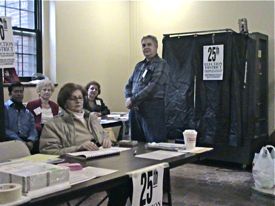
[(38, 32)]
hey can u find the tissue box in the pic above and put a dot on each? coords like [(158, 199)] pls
[(33, 176)]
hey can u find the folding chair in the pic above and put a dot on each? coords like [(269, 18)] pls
[(12, 150)]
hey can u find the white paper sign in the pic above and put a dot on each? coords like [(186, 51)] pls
[(98, 102), (38, 110), (7, 55), (148, 186), (213, 62)]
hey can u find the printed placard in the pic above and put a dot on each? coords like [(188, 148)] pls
[(148, 186), (213, 62), (7, 55), (98, 102)]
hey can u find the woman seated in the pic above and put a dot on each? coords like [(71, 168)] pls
[(77, 130), (42, 108), (96, 105), (93, 103)]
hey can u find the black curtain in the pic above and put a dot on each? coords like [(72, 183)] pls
[(216, 109)]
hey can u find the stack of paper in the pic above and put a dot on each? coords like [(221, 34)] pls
[(34, 176)]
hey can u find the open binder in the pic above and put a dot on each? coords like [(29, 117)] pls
[(102, 152)]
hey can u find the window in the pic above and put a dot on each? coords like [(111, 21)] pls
[(26, 23)]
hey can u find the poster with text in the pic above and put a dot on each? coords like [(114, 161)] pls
[(148, 186), (7, 55), (213, 62)]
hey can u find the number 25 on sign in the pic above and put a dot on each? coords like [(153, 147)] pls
[(148, 181)]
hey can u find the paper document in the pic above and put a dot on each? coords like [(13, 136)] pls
[(159, 155), (198, 150), (166, 146), (88, 173), (98, 153), (107, 121), (121, 149), (265, 191), (119, 116), (42, 158)]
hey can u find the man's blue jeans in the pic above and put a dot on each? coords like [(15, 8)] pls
[(147, 122)]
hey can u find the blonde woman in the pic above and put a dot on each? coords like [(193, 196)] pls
[(43, 108)]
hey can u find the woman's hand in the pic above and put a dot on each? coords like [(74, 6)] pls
[(106, 143), (90, 146), (98, 114)]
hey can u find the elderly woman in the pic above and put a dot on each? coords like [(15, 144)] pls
[(75, 130), (43, 108), (93, 103)]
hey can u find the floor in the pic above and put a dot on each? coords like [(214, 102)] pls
[(209, 184)]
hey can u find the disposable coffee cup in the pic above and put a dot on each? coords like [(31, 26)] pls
[(190, 138)]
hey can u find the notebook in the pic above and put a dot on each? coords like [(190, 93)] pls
[(102, 152)]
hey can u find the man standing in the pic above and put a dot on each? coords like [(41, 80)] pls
[(145, 93), (19, 121)]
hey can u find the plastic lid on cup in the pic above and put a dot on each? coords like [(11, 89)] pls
[(190, 131)]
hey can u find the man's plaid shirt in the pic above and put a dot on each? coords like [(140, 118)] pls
[(148, 81)]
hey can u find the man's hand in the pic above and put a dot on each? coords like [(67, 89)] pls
[(128, 103)]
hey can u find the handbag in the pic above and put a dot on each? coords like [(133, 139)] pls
[(263, 170)]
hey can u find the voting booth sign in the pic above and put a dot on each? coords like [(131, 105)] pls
[(148, 185), (213, 62)]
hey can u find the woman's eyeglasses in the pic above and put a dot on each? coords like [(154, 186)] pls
[(76, 99)]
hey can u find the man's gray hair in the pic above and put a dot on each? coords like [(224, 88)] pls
[(153, 38)]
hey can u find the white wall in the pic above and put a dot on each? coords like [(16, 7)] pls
[(100, 40), (92, 43)]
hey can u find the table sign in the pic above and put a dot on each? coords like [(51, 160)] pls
[(148, 185)]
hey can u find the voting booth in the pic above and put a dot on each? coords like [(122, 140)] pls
[(218, 86)]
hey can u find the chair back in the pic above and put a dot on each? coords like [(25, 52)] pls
[(12, 150)]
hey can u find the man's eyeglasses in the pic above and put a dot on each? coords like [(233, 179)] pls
[(144, 44)]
